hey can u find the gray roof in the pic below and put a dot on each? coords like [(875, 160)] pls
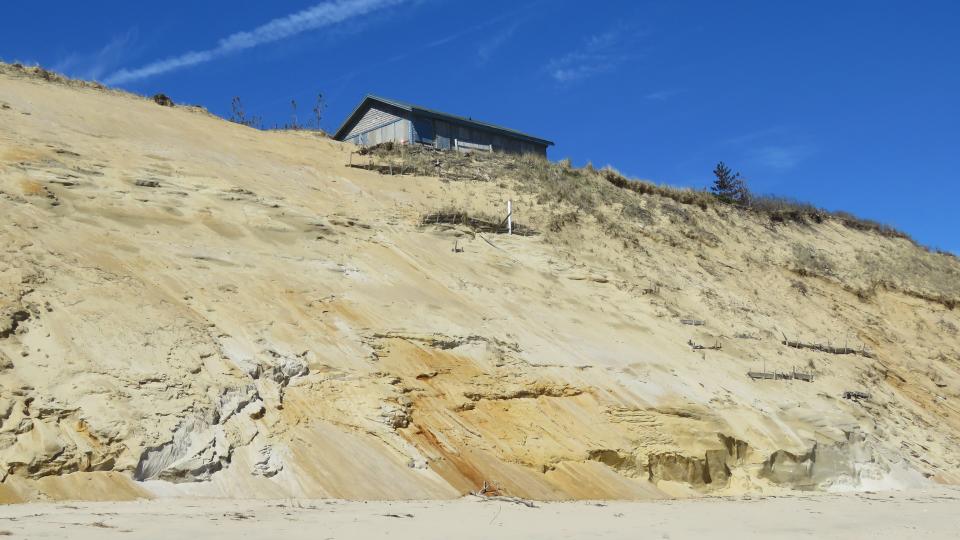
[(423, 111)]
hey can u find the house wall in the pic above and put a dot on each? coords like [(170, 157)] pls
[(397, 131), (424, 130), (442, 134), (380, 123)]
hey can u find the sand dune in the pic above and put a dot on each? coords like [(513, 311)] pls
[(192, 308)]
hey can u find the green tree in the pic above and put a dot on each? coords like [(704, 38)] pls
[(729, 186)]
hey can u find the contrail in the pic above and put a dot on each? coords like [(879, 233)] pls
[(319, 16)]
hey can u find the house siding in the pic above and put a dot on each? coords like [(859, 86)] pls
[(376, 118), (396, 131), (498, 142), (423, 130), (380, 122), (446, 135)]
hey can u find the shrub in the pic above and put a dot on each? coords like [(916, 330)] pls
[(782, 210), (560, 220), (800, 287), (163, 100), (808, 261)]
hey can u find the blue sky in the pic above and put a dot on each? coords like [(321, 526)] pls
[(851, 105)]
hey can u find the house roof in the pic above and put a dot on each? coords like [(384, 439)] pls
[(423, 111)]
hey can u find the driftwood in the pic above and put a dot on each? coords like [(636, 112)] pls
[(827, 348), (388, 170), (781, 375), (514, 500), (487, 490), (491, 492), (772, 375), (697, 347)]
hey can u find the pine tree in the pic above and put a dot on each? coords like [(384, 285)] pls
[(729, 186)]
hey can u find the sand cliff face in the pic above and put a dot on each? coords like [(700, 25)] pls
[(192, 307)]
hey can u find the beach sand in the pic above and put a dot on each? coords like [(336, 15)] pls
[(924, 514)]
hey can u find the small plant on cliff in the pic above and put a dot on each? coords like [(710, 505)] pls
[(318, 108), (293, 107), (239, 116), (163, 100), (729, 186)]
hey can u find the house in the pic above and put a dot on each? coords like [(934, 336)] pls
[(377, 120)]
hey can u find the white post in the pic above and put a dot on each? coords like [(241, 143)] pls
[(509, 217)]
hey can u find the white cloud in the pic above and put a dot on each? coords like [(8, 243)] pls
[(580, 71), (775, 149), (599, 54), (486, 49), (758, 135), (661, 95), (780, 157), (94, 65), (316, 17)]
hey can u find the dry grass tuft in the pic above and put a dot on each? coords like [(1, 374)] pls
[(809, 261), (476, 222), (702, 199)]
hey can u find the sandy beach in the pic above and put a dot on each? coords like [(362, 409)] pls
[(924, 514)]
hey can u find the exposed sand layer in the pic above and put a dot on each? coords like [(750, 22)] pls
[(193, 308), (903, 515)]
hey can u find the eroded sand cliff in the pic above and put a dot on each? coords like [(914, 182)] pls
[(193, 307)]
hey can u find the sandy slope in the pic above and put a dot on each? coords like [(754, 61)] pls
[(189, 307), (906, 515)]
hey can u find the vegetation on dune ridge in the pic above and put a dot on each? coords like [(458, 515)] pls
[(486, 166), (634, 212), (777, 209), (46, 75), (38, 72)]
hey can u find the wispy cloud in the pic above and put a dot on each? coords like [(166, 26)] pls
[(435, 43), (94, 65), (319, 16), (450, 38), (600, 53), (759, 135), (661, 95), (487, 48), (775, 149), (781, 158)]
